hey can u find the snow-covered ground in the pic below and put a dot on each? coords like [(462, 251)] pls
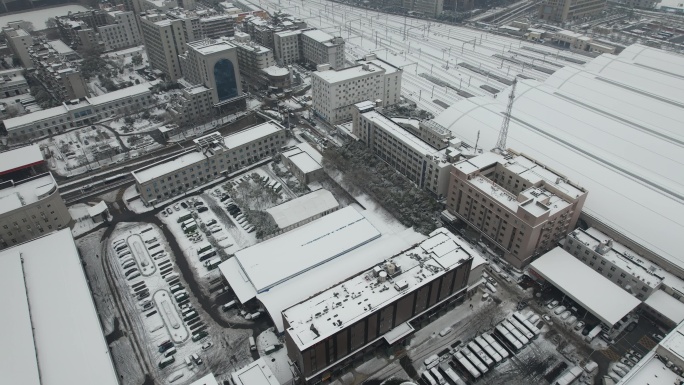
[(40, 16), (82, 221), (75, 152)]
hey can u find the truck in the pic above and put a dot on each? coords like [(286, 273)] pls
[(593, 333), (184, 218), (212, 263), (204, 247)]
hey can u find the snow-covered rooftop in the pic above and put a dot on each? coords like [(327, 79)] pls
[(613, 127), (649, 370), (60, 47), (97, 209), (302, 160), (302, 208), (666, 305), (138, 89), (399, 133), (19, 158), (49, 324), (335, 76), (26, 192), (168, 166), (210, 47), (256, 373), (345, 303), (588, 288), (318, 35), (209, 379), (276, 71), (278, 259)]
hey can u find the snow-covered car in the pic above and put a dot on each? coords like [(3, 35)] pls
[(559, 310), (552, 305), (565, 315), (547, 318), (165, 214), (579, 326), (169, 211), (207, 345)]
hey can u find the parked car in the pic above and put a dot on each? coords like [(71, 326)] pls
[(559, 310), (579, 326), (202, 209), (169, 211), (552, 304)]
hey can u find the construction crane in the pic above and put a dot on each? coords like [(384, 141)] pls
[(503, 133)]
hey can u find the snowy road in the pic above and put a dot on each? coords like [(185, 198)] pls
[(424, 47)]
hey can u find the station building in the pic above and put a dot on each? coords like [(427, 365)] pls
[(214, 156)]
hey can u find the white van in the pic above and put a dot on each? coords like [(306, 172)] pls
[(229, 305), (252, 343), (188, 361), (428, 378), (437, 375), (270, 349)]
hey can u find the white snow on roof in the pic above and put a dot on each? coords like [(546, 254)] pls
[(314, 281), (20, 157), (25, 192), (18, 363), (209, 379), (237, 279), (318, 35), (313, 153), (399, 133), (35, 117), (649, 370), (60, 47), (674, 342), (302, 160), (666, 305), (345, 303), (287, 255), (123, 93), (251, 134), (592, 291), (97, 209), (276, 71), (67, 339), (256, 373), (302, 208), (335, 76), (621, 142), (168, 166)]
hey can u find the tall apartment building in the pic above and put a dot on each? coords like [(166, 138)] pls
[(13, 83), (326, 331), (94, 29), (519, 207), (29, 208), (193, 106), (287, 47), (164, 40), (57, 66), (214, 156), (19, 42), (214, 64), (566, 10), (203, 24), (121, 31), (319, 47), (253, 58), (335, 92)]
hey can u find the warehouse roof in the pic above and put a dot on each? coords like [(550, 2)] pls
[(20, 158), (278, 259), (209, 379), (594, 292), (302, 208), (318, 35), (256, 373), (302, 160), (666, 305), (49, 322), (168, 166), (614, 131)]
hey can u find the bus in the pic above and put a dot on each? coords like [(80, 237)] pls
[(522, 329), (207, 254), (494, 344), (481, 367), (480, 354), (516, 334), (508, 337), (488, 349), (466, 364), (525, 322), (203, 248), (213, 263)]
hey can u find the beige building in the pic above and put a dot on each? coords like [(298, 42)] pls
[(214, 156), (121, 31), (19, 42), (287, 47), (164, 40), (213, 64), (319, 47), (520, 208), (193, 106), (335, 92), (203, 24), (252, 59), (29, 208), (565, 10)]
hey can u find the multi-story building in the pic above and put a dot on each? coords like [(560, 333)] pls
[(19, 42), (105, 29), (29, 208), (253, 58), (56, 65), (565, 10), (214, 156), (325, 331), (214, 64), (263, 31), (13, 83), (164, 41), (287, 48), (77, 113), (203, 24), (519, 207), (193, 106), (121, 30), (431, 8), (335, 92), (319, 47)]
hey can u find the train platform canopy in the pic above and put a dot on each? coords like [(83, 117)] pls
[(595, 293), (50, 333)]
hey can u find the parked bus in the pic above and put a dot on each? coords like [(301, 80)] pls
[(488, 349), (522, 329), (495, 344), (166, 362), (523, 340), (207, 254), (481, 367), (213, 263), (508, 337), (453, 376), (466, 364), (437, 375), (480, 354), (525, 322), (204, 248)]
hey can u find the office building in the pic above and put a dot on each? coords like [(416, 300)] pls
[(77, 113), (325, 331), (214, 156), (193, 106), (50, 330), (561, 11), (520, 208), (335, 92), (304, 162), (213, 64), (430, 8), (13, 83), (30, 208), (19, 42), (164, 40), (99, 29), (204, 23), (57, 67), (253, 59), (287, 47), (319, 47), (121, 31)]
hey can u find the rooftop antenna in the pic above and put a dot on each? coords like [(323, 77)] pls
[(503, 133)]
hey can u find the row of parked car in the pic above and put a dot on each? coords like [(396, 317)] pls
[(565, 315), (237, 214)]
